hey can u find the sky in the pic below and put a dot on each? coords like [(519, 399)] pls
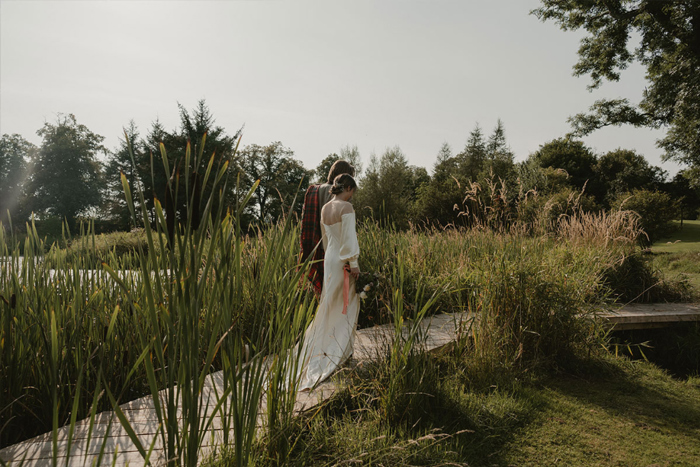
[(315, 75)]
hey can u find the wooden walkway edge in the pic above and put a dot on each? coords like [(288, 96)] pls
[(119, 449), (370, 343), (652, 315)]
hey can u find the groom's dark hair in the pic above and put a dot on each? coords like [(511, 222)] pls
[(340, 167)]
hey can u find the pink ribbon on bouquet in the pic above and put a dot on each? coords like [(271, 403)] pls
[(346, 288)]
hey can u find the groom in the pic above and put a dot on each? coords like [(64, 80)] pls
[(314, 200)]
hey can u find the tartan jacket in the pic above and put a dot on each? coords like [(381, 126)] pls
[(311, 236)]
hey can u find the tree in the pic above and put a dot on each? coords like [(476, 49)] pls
[(347, 153), (541, 180), (573, 157), (388, 189), (669, 49), (322, 169), (151, 173), (66, 181), (281, 179), (472, 160), (623, 170), (352, 155), (120, 162), (193, 127), (688, 196), (196, 129), (499, 157), (435, 199), (15, 154)]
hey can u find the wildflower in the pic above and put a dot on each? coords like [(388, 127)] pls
[(367, 288), (363, 295)]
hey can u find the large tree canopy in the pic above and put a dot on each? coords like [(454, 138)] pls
[(572, 156), (669, 48), (623, 171), (283, 180), (66, 180)]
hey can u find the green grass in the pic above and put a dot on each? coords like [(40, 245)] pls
[(639, 416), (686, 239), (161, 313), (529, 291), (678, 257), (164, 308), (612, 412)]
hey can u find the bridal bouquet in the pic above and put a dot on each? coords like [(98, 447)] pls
[(366, 285), (372, 289)]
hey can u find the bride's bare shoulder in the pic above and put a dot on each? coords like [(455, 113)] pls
[(346, 208)]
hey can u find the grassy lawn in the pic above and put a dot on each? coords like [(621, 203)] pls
[(639, 417), (687, 239), (679, 256), (614, 413)]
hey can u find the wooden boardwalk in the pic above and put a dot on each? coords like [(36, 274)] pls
[(654, 315), (370, 343), (118, 447)]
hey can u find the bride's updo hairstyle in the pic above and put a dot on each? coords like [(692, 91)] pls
[(343, 183)]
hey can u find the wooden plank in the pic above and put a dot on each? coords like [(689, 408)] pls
[(369, 343), (644, 316)]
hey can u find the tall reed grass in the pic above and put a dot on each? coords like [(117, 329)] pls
[(84, 330), (156, 320)]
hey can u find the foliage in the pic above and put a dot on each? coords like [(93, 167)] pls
[(635, 279), (280, 178), (15, 155), (471, 161), (499, 161), (622, 171), (546, 212), (91, 250), (681, 189), (320, 174), (120, 162), (347, 153), (135, 158), (669, 49), (388, 189), (532, 177), (436, 200), (656, 210), (66, 180), (607, 411), (533, 294), (571, 156), (76, 339), (481, 163), (352, 154)]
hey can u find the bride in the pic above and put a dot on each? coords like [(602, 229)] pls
[(329, 339)]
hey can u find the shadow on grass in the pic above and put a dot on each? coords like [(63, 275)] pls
[(643, 394), (458, 425), (452, 425)]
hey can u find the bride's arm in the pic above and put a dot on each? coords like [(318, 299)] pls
[(349, 247)]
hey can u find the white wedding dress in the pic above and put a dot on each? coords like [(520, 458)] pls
[(329, 339)]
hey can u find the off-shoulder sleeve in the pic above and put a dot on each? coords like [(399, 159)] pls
[(349, 247)]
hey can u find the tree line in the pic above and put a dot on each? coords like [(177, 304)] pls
[(64, 179)]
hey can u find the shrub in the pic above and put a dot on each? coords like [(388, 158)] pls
[(656, 211), (634, 279)]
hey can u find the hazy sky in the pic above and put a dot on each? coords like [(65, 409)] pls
[(315, 75)]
